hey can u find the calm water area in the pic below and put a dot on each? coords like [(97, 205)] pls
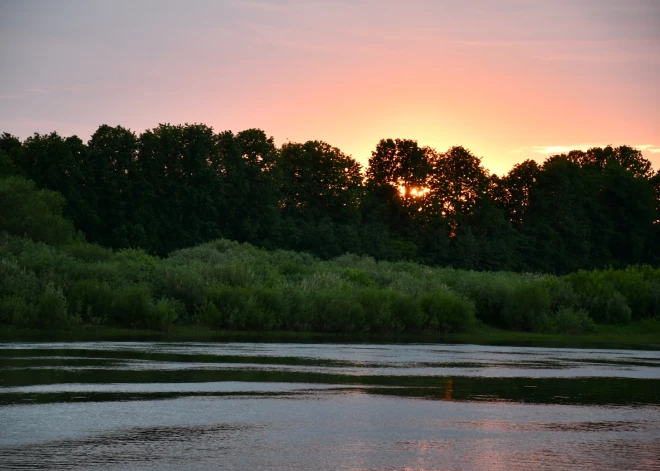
[(270, 406)]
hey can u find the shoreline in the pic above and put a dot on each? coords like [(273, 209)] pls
[(606, 336)]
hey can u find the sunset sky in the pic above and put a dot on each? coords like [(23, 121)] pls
[(508, 79)]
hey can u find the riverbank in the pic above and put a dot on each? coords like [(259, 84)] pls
[(637, 335)]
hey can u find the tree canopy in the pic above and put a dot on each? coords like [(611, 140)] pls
[(180, 185)]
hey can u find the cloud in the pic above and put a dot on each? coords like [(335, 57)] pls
[(562, 149), (553, 150), (649, 148)]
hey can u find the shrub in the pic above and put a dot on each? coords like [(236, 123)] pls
[(490, 293), (18, 311), (29, 212), (293, 269), (210, 315), (407, 312), (15, 279), (224, 306), (447, 311), (357, 277), (336, 310), (527, 307), (616, 309), (298, 311), (377, 305), (52, 310), (561, 293), (162, 316), (133, 306), (572, 321), (88, 252), (186, 283), (92, 300)]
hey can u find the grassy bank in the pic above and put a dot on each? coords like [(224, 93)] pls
[(226, 286), (634, 336)]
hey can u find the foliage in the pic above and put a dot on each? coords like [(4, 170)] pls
[(30, 212), (317, 244)]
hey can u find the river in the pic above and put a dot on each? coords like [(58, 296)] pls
[(267, 406)]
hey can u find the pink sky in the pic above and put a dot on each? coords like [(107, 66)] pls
[(508, 79)]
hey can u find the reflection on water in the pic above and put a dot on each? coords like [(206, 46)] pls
[(167, 406)]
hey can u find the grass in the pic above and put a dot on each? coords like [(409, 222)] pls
[(633, 336)]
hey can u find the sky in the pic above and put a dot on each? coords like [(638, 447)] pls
[(508, 79)]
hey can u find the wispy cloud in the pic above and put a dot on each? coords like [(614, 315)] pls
[(41, 90), (563, 149), (649, 148)]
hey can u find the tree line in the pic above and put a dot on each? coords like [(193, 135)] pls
[(178, 186)]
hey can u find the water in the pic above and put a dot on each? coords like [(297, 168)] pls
[(200, 406)]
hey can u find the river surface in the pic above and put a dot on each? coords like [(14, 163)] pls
[(264, 406)]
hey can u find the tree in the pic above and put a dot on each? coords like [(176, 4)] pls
[(513, 191), (246, 169), (29, 212), (318, 180), (457, 182)]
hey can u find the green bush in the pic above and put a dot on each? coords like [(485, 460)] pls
[(357, 277), (571, 321), (92, 300), (298, 311), (18, 311), (133, 306), (561, 293), (527, 308), (616, 309), (29, 212), (224, 306), (407, 312), (88, 252), (185, 283), (379, 315), (491, 292), (162, 316), (447, 311), (336, 310), (16, 280), (293, 269), (52, 309)]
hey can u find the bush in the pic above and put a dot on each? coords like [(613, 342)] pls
[(379, 315), (357, 277), (407, 312), (162, 316), (561, 292), (616, 309), (447, 311), (29, 212), (571, 321), (224, 306), (52, 310), (16, 280), (88, 252), (18, 311), (527, 307), (298, 312), (490, 292), (336, 310), (92, 300), (133, 306), (186, 283)]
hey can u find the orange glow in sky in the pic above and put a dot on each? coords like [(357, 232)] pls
[(509, 80)]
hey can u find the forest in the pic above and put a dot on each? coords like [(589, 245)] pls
[(182, 224)]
